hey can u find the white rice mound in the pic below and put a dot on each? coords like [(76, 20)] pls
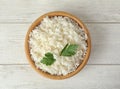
[(51, 35)]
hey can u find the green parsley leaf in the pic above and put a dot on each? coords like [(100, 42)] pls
[(69, 50), (48, 59)]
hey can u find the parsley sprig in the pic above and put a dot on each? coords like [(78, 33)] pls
[(48, 59), (69, 50)]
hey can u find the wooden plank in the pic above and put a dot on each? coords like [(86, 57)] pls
[(105, 43), (87, 10), (12, 43), (91, 77)]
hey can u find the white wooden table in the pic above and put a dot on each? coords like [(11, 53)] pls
[(102, 18)]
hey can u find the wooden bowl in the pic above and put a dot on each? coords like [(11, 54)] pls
[(37, 22)]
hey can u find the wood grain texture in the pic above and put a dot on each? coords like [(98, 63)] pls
[(12, 43), (88, 10), (92, 77), (105, 43)]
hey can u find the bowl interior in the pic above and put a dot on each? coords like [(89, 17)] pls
[(37, 22)]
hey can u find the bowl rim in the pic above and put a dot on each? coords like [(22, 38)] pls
[(37, 22)]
